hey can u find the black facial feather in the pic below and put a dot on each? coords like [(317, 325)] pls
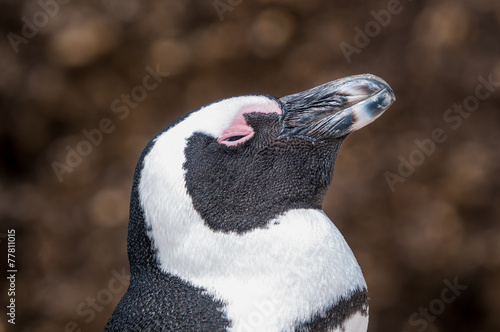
[(237, 189)]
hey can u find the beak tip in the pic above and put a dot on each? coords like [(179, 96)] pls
[(376, 98)]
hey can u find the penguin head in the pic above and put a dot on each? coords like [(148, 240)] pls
[(236, 165)]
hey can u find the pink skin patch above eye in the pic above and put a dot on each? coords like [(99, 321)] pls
[(239, 131)]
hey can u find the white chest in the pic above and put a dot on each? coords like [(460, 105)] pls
[(269, 278)]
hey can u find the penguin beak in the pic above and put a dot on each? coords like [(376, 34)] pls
[(335, 109)]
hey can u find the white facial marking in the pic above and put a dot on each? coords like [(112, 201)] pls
[(269, 278)]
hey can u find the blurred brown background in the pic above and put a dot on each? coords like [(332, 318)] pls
[(66, 65)]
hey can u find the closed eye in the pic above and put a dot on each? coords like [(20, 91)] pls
[(234, 138)]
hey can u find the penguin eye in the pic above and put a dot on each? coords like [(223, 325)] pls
[(238, 132), (234, 139)]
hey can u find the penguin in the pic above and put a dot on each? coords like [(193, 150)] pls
[(226, 228)]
